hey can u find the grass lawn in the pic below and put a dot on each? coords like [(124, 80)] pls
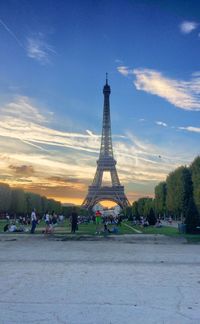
[(170, 231), (166, 230), (83, 229), (125, 228)]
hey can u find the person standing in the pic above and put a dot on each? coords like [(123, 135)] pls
[(33, 221), (98, 221), (74, 220), (47, 222)]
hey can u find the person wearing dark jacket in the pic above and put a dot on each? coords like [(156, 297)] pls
[(74, 220)]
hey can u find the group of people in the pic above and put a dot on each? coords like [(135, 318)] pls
[(52, 219), (106, 221), (20, 224), (99, 220), (144, 222)]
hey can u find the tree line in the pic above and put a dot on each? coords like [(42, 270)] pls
[(178, 196), (16, 201)]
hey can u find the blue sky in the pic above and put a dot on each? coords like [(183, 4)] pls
[(53, 60)]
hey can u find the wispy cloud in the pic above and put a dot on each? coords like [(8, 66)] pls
[(12, 34), (38, 49), (191, 129), (187, 27), (180, 93), (123, 70), (36, 46), (22, 107), (49, 158), (118, 61), (160, 123)]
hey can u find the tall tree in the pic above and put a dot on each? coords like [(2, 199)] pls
[(151, 217), (33, 201), (144, 205), (135, 210), (5, 197), (179, 191), (160, 198), (195, 169), (191, 217), (18, 201)]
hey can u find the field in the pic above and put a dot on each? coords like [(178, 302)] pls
[(125, 228)]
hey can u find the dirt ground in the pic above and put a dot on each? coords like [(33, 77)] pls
[(125, 281)]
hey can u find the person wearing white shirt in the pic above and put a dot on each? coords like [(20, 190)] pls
[(33, 221)]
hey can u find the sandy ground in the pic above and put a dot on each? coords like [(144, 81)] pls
[(98, 282)]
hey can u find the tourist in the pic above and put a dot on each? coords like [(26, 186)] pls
[(7, 217), (146, 223), (13, 228), (33, 221), (170, 220), (54, 219), (98, 221), (61, 219), (47, 222), (158, 223), (74, 220), (119, 220), (106, 222)]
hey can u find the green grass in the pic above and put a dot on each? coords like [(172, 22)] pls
[(83, 229), (165, 230), (169, 231), (90, 229), (2, 224)]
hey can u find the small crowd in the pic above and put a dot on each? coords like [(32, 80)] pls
[(28, 223)]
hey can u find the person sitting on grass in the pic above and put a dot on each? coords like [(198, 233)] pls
[(146, 223), (158, 223), (13, 228), (106, 222)]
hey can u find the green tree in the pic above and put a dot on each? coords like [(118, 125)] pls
[(67, 210), (148, 205), (53, 205), (128, 212), (179, 191), (151, 217), (191, 217), (5, 197), (160, 198), (18, 201), (144, 205), (44, 202), (195, 169), (135, 210), (33, 201)]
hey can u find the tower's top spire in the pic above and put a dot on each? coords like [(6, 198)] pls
[(106, 88)]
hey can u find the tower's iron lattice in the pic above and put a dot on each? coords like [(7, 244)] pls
[(106, 163)]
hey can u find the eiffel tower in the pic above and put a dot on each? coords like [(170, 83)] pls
[(106, 162)]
